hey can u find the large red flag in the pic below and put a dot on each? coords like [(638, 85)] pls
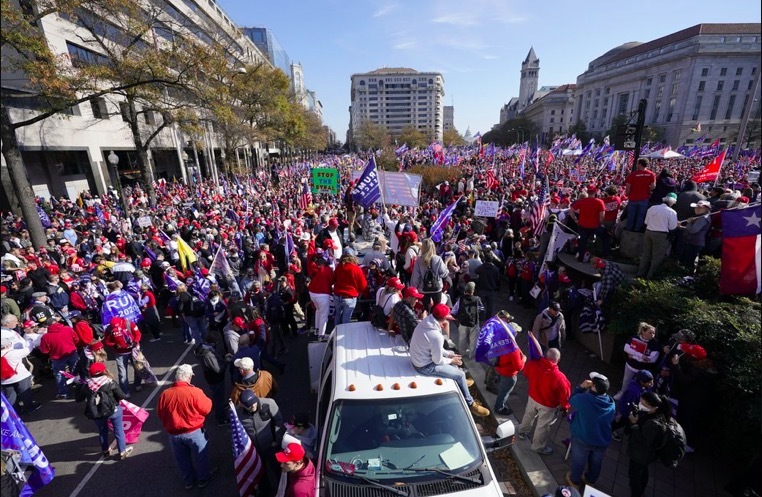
[(711, 171), (741, 247)]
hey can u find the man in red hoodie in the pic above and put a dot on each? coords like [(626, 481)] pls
[(60, 343), (301, 472), (549, 389)]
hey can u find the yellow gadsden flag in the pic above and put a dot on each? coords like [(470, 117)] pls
[(186, 253)]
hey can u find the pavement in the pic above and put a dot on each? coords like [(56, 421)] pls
[(701, 474)]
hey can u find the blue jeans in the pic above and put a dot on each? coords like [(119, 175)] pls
[(59, 365), (636, 215), (122, 361), (451, 372), (197, 327), (583, 454), (504, 389), (116, 421), (191, 455), (344, 309)]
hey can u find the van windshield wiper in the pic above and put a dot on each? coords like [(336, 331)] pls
[(454, 476), (376, 483)]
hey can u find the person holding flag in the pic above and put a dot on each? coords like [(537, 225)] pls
[(549, 390)]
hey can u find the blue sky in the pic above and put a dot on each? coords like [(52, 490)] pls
[(477, 45)]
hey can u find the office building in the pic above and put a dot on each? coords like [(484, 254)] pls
[(449, 117), (705, 74), (396, 98)]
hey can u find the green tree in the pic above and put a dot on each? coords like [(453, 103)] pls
[(56, 83), (451, 136), (512, 131), (371, 136), (580, 129), (413, 136), (653, 134)]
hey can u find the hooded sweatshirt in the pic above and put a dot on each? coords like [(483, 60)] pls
[(547, 384), (595, 413), (427, 344), (302, 483)]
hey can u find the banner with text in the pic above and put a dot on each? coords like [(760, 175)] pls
[(398, 188), (486, 208), (325, 180)]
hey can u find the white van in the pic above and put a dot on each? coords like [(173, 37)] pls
[(385, 429)]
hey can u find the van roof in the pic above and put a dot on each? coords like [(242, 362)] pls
[(367, 358)]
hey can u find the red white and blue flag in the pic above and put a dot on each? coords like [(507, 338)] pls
[(492, 182), (741, 247), (248, 465), (539, 209), (305, 199), (444, 217)]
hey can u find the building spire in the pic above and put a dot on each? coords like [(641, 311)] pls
[(531, 56)]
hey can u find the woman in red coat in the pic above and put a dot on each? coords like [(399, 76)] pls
[(321, 290), (350, 283)]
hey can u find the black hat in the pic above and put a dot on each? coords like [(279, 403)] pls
[(555, 306)]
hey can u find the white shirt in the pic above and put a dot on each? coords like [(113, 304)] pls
[(386, 300), (14, 354), (661, 218)]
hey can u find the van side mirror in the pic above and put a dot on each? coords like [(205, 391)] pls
[(504, 436)]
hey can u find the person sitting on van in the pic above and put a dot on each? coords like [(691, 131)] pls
[(403, 315), (429, 357)]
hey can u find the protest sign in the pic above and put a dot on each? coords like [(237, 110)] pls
[(325, 180), (397, 188), (486, 208), (145, 221)]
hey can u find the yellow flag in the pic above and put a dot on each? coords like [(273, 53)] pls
[(186, 253)]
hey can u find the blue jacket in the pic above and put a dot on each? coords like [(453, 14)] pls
[(592, 421), (630, 396)]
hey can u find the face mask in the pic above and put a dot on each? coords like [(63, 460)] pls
[(642, 407), (214, 301)]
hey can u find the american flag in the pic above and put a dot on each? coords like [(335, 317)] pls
[(305, 199), (248, 465), (539, 208), (491, 181)]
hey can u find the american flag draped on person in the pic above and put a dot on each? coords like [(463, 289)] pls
[(305, 199), (540, 207)]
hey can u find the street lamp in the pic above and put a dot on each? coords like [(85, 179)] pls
[(113, 161)]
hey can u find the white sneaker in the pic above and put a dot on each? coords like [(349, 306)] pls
[(192, 342)]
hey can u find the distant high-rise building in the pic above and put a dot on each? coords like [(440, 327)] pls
[(396, 98), (449, 117), (268, 44)]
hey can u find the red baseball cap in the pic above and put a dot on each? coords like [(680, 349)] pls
[(395, 283), (441, 311), (333, 222), (97, 368), (239, 322), (411, 291), (292, 453)]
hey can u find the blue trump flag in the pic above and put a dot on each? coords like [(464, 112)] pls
[(43, 217), (15, 436), (120, 304), (444, 217), (367, 191), (496, 338)]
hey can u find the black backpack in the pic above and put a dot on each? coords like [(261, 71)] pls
[(377, 316), (98, 333), (468, 311), (100, 404), (672, 450), (274, 308), (429, 281)]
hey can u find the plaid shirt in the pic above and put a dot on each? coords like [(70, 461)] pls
[(405, 318), (611, 277)]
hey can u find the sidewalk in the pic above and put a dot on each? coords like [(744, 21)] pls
[(701, 474)]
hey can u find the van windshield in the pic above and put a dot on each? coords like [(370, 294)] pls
[(389, 438)]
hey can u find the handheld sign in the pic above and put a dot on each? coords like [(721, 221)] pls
[(486, 208)]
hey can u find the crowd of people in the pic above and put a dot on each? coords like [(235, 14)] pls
[(245, 266)]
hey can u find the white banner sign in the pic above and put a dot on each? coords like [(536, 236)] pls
[(486, 208), (145, 221), (594, 492), (398, 188)]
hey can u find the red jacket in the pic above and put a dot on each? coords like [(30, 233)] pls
[(547, 384), (121, 339), (151, 302), (77, 302), (510, 364), (60, 341), (301, 483), (182, 408), (322, 280), (349, 281)]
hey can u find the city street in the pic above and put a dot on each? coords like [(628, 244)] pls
[(70, 440)]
